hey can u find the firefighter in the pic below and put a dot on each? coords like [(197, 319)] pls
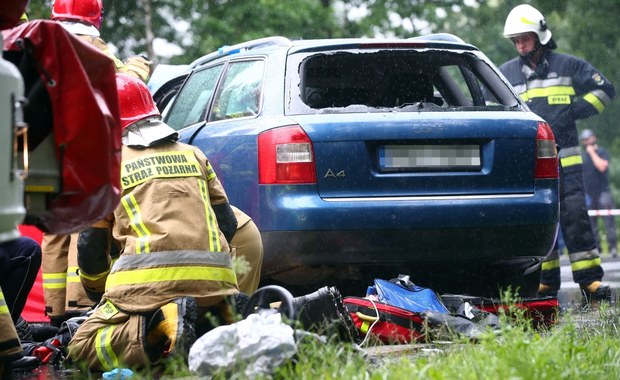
[(20, 260), (248, 245), (172, 226), (561, 89), (64, 295), (62, 289), (83, 18)]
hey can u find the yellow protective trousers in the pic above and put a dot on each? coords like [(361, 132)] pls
[(10, 347), (110, 339), (62, 288), (248, 244)]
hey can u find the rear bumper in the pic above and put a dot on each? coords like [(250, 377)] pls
[(462, 261), (299, 209), (309, 231), (308, 240), (288, 250)]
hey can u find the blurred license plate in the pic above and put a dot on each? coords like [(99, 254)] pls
[(429, 157)]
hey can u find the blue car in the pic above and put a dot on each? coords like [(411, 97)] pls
[(367, 158)]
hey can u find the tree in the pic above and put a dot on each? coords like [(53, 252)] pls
[(580, 27), (216, 23), (39, 10), (132, 26)]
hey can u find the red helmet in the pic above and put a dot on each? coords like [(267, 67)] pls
[(134, 100), (88, 11)]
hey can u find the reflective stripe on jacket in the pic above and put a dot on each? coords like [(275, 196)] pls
[(143, 282), (166, 201), (170, 240)]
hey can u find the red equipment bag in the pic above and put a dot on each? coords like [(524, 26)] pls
[(395, 325), (392, 325), (73, 117), (542, 311)]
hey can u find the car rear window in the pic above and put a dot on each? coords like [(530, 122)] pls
[(403, 80)]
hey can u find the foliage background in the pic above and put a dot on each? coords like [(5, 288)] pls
[(585, 28)]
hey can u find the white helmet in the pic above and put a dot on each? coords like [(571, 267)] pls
[(525, 18)]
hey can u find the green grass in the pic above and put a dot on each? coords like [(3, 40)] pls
[(581, 346), (566, 352)]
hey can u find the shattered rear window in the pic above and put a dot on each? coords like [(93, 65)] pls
[(401, 80)]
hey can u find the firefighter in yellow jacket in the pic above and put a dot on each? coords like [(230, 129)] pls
[(64, 295), (94, 268), (83, 19), (174, 254)]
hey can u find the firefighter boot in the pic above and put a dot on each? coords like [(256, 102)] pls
[(24, 364), (545, 290), (24, 331), (172, 328), (595, 293)]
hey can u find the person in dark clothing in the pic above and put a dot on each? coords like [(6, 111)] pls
[(595, 175), (561, 89), (20, 260)]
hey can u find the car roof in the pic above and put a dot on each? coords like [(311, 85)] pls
[(436, 41), (164, 73)]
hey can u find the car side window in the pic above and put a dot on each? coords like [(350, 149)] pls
[(193, 99), (239, 95), (167, 107)]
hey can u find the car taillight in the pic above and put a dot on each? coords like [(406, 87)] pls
[(285, 156), (546, 153)]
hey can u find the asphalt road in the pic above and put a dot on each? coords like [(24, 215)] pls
[(569, 291)]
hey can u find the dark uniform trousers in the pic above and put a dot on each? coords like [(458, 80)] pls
[(20, 260), (575, 225)]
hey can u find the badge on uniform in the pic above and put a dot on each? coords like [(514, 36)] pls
[(558, 99), (108, 310), (598, 79)]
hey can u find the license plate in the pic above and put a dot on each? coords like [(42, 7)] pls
[(429, 157)]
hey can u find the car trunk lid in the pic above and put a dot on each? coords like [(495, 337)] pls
[(422, 154)]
